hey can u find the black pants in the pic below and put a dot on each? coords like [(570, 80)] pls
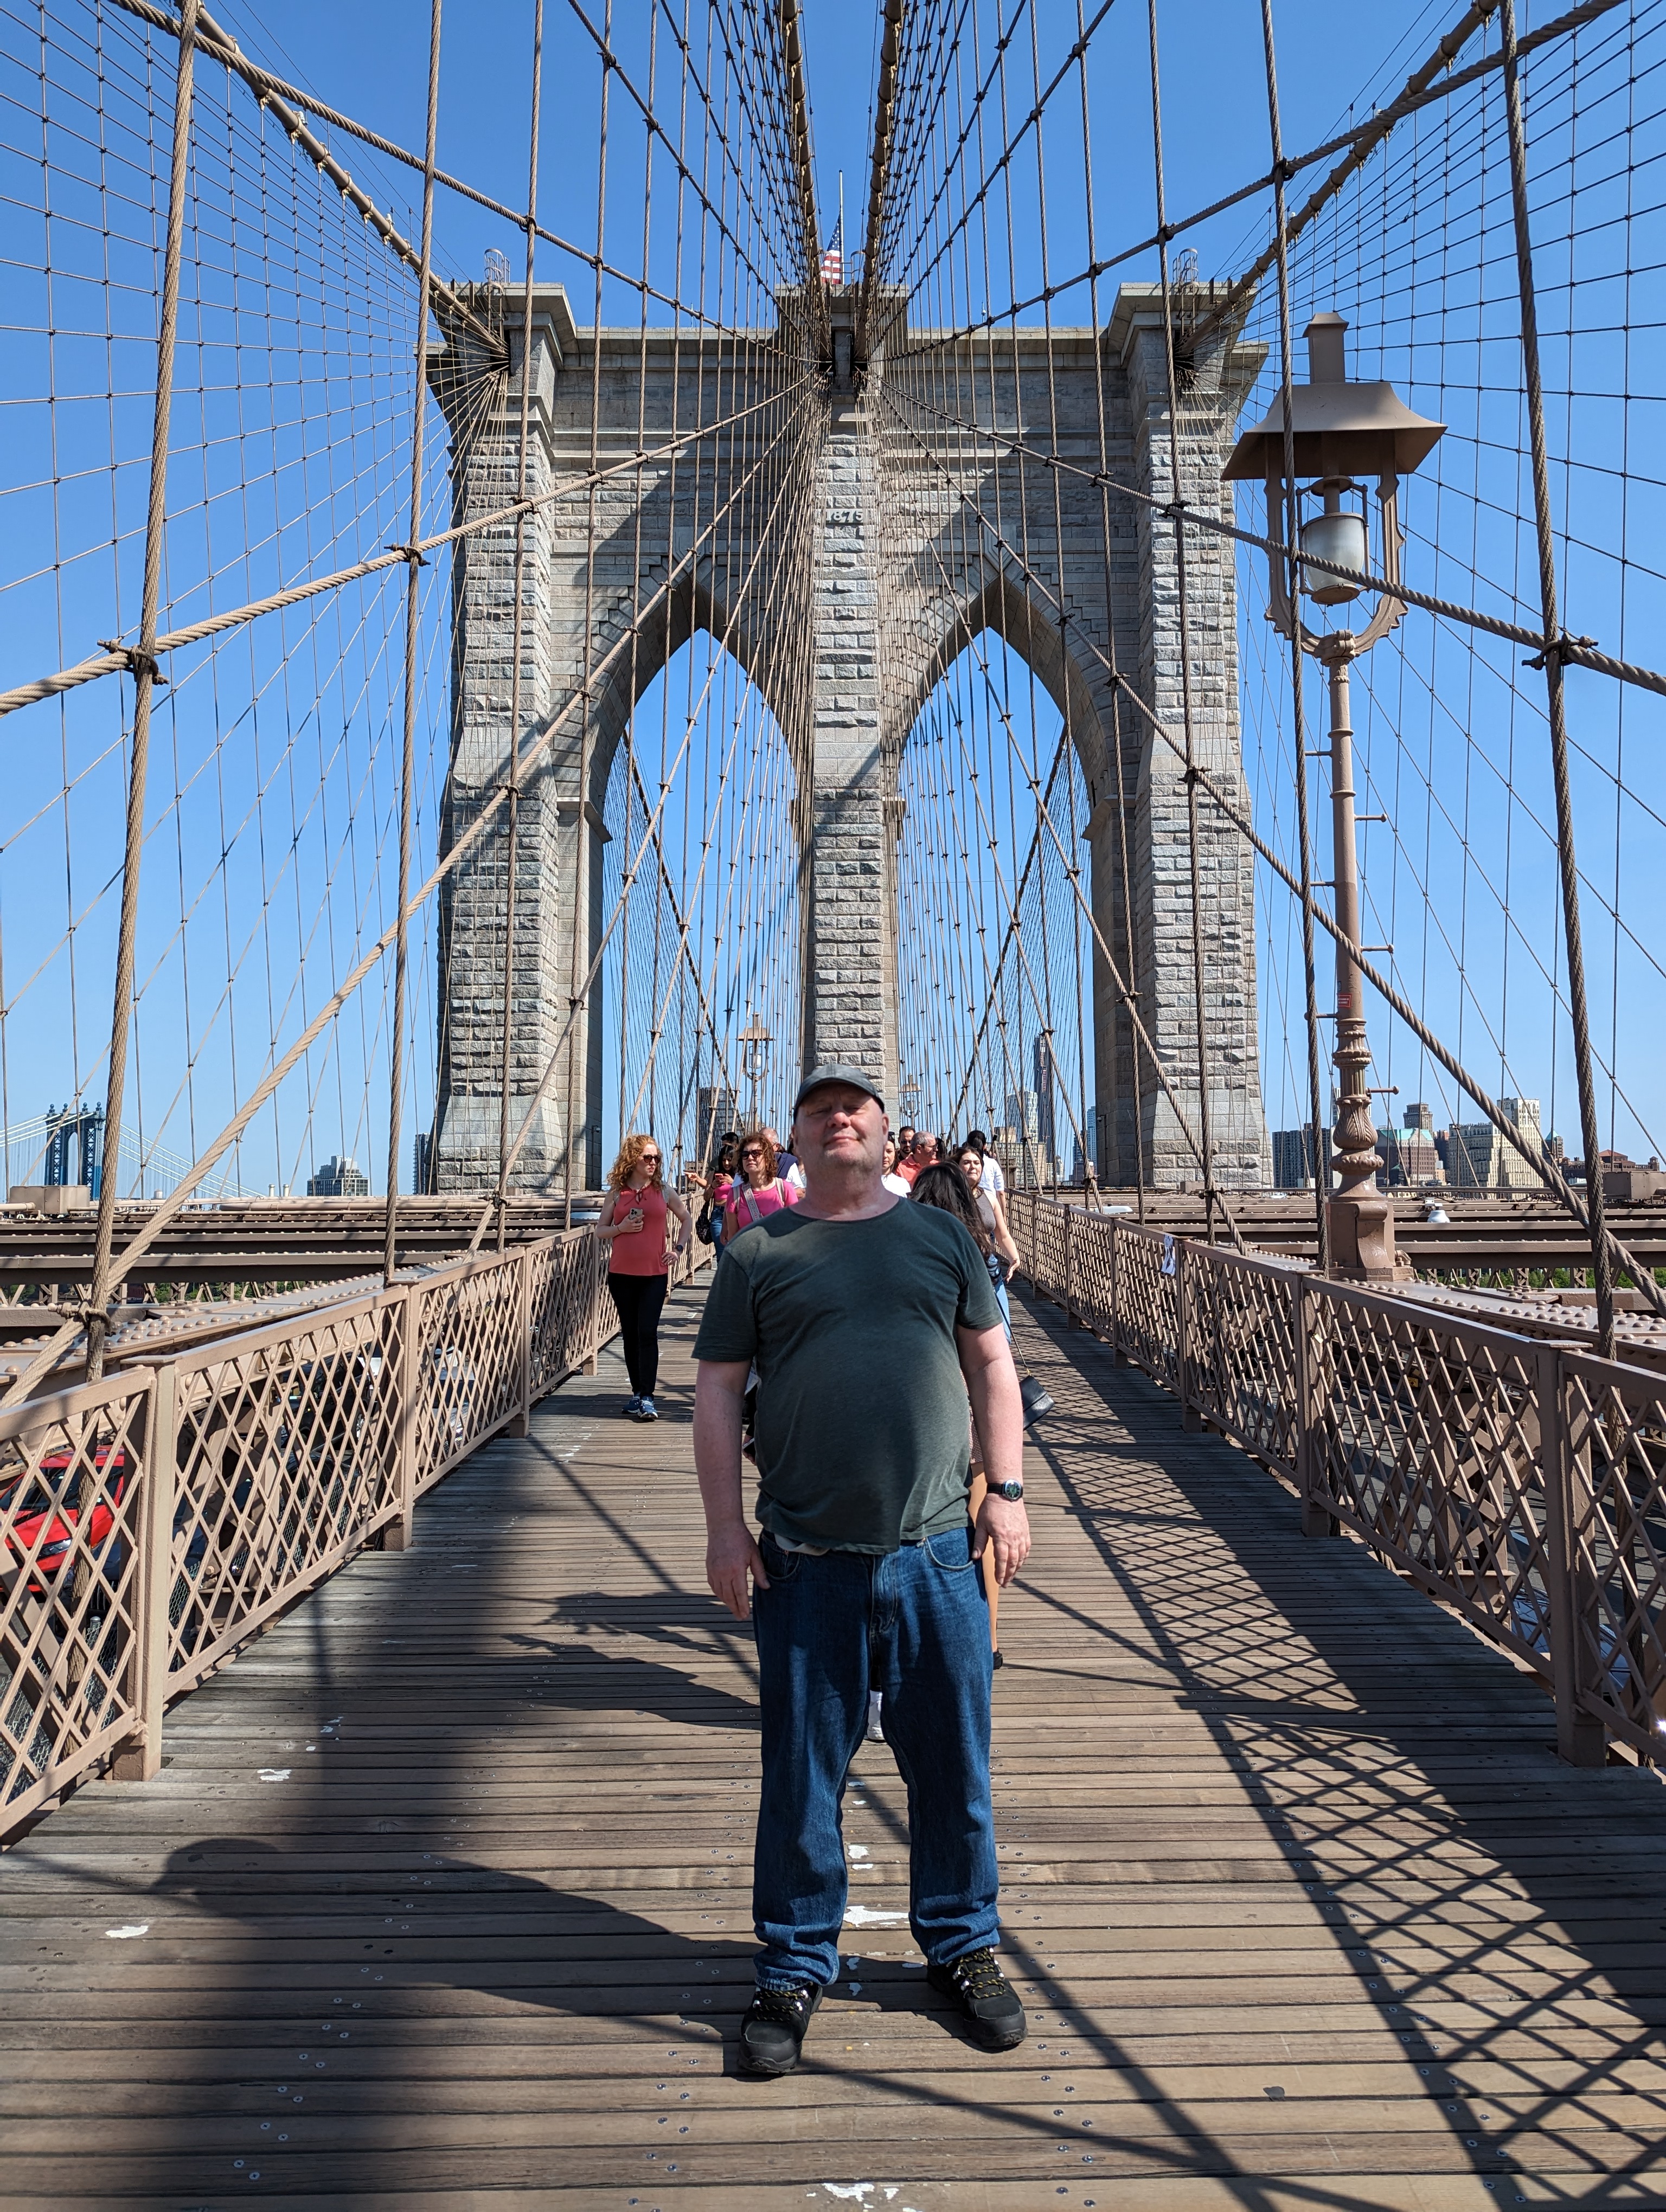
[(640, 1299)]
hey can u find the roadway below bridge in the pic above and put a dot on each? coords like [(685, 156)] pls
[(440, 1898)]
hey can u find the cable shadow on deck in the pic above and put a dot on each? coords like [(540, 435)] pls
[(1501, 1911)]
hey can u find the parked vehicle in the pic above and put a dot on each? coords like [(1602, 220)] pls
[(42, 1535)]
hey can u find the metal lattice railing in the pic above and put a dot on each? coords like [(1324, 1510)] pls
[(1520, 1483), (152, 1523)]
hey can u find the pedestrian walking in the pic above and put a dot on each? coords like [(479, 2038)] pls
[(975, 1165), (715, 1185), (760, 1188), (970, 1163), (632, 1225), (923, 1154), (896, 1184), (946, 1188), (904, 1142), (994, 1182), (872, 1322)]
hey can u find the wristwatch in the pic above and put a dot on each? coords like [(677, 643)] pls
[(1010, 1491)]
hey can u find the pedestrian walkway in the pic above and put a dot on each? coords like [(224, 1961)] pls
[(440, 1899)]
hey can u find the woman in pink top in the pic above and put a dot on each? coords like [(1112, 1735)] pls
[(759, 1190), (632, 1225)]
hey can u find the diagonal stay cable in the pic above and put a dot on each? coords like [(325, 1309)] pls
[(219, 46), (580, 996), (118, 660), (47, 1355), (1101, 940), (274, 92), (1373, 132), (1536, 1155), (1580, 652)]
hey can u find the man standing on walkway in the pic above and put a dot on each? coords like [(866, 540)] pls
[(871, 1322)]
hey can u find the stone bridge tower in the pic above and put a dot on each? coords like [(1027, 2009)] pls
[(845, 626)]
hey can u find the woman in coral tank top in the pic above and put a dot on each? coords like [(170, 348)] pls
[(632, 1225)]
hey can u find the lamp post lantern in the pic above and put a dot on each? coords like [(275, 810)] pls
[(754, 1043), (1343, 432)]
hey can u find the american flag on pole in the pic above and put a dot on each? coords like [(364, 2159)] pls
[(833, 258)]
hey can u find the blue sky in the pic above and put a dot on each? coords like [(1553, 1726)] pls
[(245, 840)]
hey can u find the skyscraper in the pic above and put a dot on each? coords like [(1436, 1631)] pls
[(1045, 1068)]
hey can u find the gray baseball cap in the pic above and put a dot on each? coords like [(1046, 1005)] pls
[(836, 1071)]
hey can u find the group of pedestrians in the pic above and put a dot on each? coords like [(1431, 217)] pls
[(967, 1179), (856, 1344), (752, 1176)]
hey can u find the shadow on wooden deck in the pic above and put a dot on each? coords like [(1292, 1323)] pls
[(441, 1898)]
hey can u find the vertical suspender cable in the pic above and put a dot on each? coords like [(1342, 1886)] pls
[(885, 106), (1206, 1127), (1292, 581), (511, 829), (1602, 1261), (1115, 733), (581, 825), (413, 582), (144, 663)]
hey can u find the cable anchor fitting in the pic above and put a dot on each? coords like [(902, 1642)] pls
[(412, 553), (1562, 652), (138, 662)]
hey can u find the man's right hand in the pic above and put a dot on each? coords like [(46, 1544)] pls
[(731, 1556)]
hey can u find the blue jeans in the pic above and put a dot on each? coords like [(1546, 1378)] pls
[(915, 1624)]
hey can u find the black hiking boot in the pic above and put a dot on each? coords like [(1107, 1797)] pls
[(985, 1999), (772, 2034)]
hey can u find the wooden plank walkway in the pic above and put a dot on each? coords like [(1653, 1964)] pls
[(440, 1899)]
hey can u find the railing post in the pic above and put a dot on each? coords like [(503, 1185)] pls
[(1316, 1519), (1069, 1268), (1118, 1356), (1581, 1737), (598, 1293), (522, 1421), (1190, 1417), (399, 1533), (141, 1756)]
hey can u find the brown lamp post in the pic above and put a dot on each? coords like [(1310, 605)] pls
[(1342, 432)]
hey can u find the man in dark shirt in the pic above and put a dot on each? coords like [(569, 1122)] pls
[(871, 1322)]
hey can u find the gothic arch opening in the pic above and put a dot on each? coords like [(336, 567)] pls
[(697, 893), (1073, 683), (996, 967)]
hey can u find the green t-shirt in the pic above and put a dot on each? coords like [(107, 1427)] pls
[(862, 1428)]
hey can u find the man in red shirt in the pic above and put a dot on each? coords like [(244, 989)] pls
[(923, 1156)]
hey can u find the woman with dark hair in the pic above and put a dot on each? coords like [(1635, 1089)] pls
[(970, 1163), (975, 1165), (632, 1225), (717, 1183), (944, 1186)]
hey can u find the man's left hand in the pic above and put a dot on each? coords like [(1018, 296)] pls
[(1003, 1524)]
